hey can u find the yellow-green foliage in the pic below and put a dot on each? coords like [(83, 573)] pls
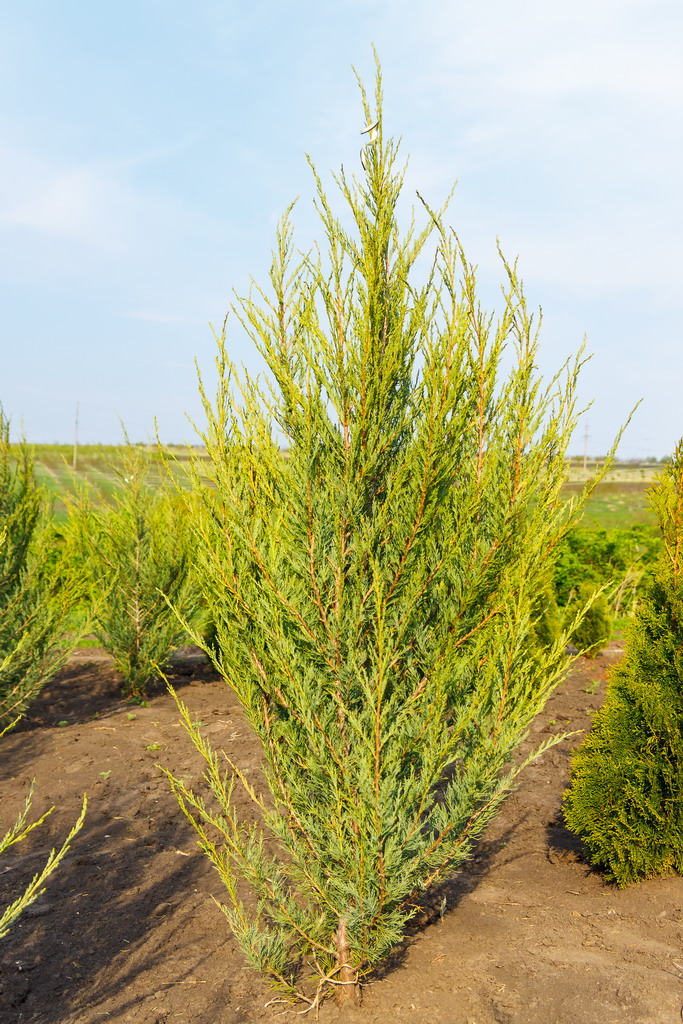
[(625, 800), (36, 591), (548, 624), (135, 559), (591, 634), (373, 591), (16, 834)]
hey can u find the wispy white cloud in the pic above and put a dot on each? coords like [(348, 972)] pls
[(96, 203), (634, 70), (500, 61), (162, 318), (563, 124), (626, 251), (86, 204)]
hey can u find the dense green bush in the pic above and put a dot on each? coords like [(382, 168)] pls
[(617, 559), (548, 619), (373, 592), (594, 628), (625, 800), (135, 559)]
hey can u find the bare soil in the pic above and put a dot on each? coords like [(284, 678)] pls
[(128, 931)]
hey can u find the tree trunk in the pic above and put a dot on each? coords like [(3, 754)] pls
[(348, 992)]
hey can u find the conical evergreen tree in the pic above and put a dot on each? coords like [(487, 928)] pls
[(134, 558), (374, 586), (625, 800)]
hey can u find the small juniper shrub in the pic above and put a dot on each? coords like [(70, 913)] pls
[(136, 560), (36, 597), (548, 619), (625, 798), (617, 559)]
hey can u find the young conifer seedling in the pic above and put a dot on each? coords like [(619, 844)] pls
[(135, 558), (382, 516)]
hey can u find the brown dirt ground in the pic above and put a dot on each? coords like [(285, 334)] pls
[(127, 930)]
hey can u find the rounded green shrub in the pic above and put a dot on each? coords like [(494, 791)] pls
[(548, 622), (595, 628)]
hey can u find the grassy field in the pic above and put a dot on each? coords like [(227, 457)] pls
[(616, 506), (99, 467), (620, 501)]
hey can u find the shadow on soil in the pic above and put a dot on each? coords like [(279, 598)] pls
[(101, 907), (72, 698), (98, 909), (444, 898), (125, 880), (566, 848), (124, 903)]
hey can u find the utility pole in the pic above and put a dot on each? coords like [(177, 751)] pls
[(74, 463), (586, 435)]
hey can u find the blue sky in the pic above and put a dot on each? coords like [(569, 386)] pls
[(148, 149)]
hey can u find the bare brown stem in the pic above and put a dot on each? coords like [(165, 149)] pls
[(348, 989)]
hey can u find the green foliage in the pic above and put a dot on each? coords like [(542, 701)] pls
[(135, 559), (625, 800), (36, 592), (548, 620), (594, 628), (98, 467), (617, 558), (16, 834), (373, 588), (613, 506)]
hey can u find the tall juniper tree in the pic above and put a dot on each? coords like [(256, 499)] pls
[(383, 514)]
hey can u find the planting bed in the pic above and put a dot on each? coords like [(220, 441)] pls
[(127, 930)]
